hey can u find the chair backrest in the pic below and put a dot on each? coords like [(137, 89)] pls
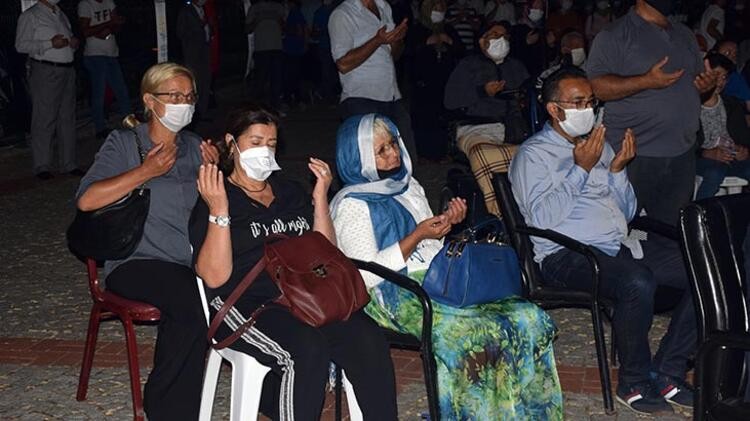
[(204, 302), (713, 231), (521, 242)]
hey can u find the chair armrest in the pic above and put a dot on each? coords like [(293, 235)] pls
[(573, 245), (645, 223), (408, 284)]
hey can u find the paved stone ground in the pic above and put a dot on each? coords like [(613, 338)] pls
[(44, 293)]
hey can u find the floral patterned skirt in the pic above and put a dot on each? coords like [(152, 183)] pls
[(494, 361)]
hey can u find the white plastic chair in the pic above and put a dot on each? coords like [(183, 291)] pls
[(247, 380), (730, 185)]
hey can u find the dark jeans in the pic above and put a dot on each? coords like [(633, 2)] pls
[(105, 71), (173, 389), (663, 185), (631, 284), (395, 110), (292, 82), (713, 173), (269, 69)]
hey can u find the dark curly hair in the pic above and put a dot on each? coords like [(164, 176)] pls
[(239, 120)]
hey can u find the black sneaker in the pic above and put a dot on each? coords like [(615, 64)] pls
[(642, 398), (674, 390)]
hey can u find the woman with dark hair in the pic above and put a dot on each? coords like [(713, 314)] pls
[(243, 204)]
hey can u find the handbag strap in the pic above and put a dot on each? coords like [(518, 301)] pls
[(141, 152), (229, 303)]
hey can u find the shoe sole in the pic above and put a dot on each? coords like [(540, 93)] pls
[(625, 404), (678, 404)]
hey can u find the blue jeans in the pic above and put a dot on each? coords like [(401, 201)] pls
[(713, 173), (631, 284), (104, 71)]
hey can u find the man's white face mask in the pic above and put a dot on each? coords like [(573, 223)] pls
[(577, 122), (498, 49), (577, 56)]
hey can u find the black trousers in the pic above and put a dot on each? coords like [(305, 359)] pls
[(663, 185), (395, 110), (269, 70), (299, 356), (173, 389)]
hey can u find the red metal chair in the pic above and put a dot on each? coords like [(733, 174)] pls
[(108, 306)]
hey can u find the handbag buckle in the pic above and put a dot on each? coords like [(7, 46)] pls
[(320, 271)]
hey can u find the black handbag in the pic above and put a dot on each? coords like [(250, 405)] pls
[(114, 231)]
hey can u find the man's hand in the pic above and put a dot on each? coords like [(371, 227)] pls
[(59, 41), (720, 154), (493, 87), (389, 37), (586, 153), (74, 43), (658, 79), (626, 154), (742, 153), (706, 81)]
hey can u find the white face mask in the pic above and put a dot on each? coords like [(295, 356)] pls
[(498, 49), (577, 56), (535, 15), (436, 16), (258, 162), (176, 116), (578, 122)]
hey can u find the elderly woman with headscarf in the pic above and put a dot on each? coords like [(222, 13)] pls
[(495, 361), (435, 48)]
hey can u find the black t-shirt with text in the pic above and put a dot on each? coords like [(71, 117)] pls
[(290, 214)]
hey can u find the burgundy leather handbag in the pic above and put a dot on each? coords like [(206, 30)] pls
[(318, 284)]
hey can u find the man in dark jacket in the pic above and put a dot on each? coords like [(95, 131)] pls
[(484, 86)]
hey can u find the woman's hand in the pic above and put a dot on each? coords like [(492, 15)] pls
[(435, 228), (323, 178), (718, 154), (159, 160), (456, 211), (211, 187), (209, 153)]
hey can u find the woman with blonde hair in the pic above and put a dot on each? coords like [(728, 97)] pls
[(159, 270)]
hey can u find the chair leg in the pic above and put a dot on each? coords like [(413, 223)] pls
[(210, 381), (355, 413), (337, 394), (134, 369), (247, 386), (430, 381), (88, 352), (613, 347), (601, 356)]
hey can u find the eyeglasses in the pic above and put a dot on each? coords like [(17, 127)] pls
[(383, 150), (179, 97), (582, 103)]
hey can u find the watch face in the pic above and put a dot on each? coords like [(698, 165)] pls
[(222, 220)]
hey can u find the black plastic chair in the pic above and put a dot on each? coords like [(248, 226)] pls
[(405, 341), (713, 231), (557, 297)]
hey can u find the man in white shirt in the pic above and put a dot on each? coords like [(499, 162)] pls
[(364, 42), (712, 22), (99, 21), (44, 33)]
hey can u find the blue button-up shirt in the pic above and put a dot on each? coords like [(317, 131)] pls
[(554, 193)]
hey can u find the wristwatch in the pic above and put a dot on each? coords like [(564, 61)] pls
[(220, 220)]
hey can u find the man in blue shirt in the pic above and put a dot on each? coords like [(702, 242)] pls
[(568, 179)]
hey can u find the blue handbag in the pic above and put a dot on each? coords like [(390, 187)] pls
[(468, 271)]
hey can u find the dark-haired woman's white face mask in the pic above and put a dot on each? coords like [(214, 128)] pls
[(258, 162)]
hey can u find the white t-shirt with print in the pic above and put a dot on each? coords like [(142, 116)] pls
[(99, 12)]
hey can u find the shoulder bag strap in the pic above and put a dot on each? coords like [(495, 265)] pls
[(141, 153), (229, 303)]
